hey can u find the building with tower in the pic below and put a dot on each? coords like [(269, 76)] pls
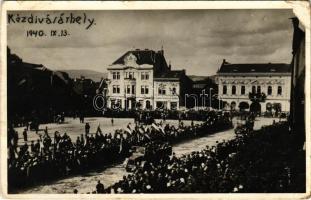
[(142, 79)]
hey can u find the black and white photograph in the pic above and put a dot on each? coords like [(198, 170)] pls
[(160, 101)]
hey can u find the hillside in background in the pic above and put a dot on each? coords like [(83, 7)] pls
[(201, 78), (77, 73)]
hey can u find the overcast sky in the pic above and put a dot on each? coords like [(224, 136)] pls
[(195, 40)]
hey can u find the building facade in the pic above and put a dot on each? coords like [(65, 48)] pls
[(141, 79), (237, 81), (298, 89), (205, 85)]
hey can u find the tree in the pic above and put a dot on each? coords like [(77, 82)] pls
[(277, 107), (256, 98), (244, 105)]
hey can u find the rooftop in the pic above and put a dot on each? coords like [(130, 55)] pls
[(254, 68), (143, 57)]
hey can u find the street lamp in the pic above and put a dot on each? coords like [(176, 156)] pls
[(216, 96), (210, 97), (219, 99)]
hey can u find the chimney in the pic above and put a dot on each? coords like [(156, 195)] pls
[(224, 61), (170, 66)]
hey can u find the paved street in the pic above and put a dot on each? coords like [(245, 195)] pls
[(74, 128), (87, 182)]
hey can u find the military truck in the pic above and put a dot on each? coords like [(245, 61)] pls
[(151, 152)]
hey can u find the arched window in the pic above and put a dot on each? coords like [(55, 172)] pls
[(233, 105), (224, 89), (253, 89), (279, 90), (269, 90), (258, 89), (243, 89), (268, 106), (233, 90), (243, 105)]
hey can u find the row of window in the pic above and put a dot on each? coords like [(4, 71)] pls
[(145, 76), (130, 75), (116, 75), (130, 89), (163, 105), (144, 89), (254, 90), (159, 104)]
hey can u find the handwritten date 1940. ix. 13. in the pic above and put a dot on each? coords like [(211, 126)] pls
[(43, 33)]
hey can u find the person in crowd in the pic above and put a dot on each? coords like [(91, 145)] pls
[(87, 128), (98, 129), (27, 125), (25, 135), (66, 157), (100, 188), (15, 139), (37, 146), (112, 121), (82, 140), (32, 146), (81, 117)]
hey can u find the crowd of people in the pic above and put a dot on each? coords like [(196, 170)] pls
[(189, 114), (52, 157), (255, 161)]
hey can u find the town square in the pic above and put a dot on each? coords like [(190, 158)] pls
[(156, 101)]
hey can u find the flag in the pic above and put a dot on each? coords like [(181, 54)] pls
[(162, 129), (155, 126), (51, 78), (98, 129), (128, 130), (141, 131), (21, 82), (147, 136), (121, 146)]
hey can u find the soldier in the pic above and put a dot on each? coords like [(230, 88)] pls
[(32, 146), (82, 140), (100, 187), (25, 134), (37, 146), (87, 128), (15, 139)]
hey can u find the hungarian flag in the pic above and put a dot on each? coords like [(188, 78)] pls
[(155, 126), (147, 136), (141, 131), (121, 145), (129, 130)]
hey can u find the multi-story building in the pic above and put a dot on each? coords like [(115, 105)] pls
[(142, 79), (298, 89), (236, 81)]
